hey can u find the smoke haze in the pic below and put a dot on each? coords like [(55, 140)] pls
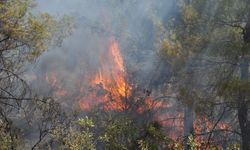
[(130, 23)]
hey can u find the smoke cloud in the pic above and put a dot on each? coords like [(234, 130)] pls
[(130, 23)]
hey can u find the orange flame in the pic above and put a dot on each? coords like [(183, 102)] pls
[(52, 80), (112, 74), (111, 89), (111, 78)]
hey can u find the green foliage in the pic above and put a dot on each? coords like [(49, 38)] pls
[(86, 122), (32, 32), (127, 135), (143, 145), (7, 140), (155, 138), (79, 141), (110, 134), (184, 36), (192, 143), (118, 134), (234, 147), (200, 28), (203, 42), (170, 49), (24, 36), (232, 88), (78, 137), (190, 15)]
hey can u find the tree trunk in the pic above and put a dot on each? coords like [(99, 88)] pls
[(242, 101), (188, 125), (243, 108)]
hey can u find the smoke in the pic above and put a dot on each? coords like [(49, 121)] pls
[(130, 23)]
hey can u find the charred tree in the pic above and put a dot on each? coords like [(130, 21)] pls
[(244, 122)]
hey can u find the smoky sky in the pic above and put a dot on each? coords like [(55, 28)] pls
[(96, 21)]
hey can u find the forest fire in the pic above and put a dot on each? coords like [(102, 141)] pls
[(52, 79), (109, 90), (124, 74), (111, 73), (110, 82)]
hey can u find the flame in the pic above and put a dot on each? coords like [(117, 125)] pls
[(52, 79), (61, 93), (203, 126), (111, 73), (111, 80), (109, 89)]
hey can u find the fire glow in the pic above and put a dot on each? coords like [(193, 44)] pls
[(110, 90), (110, 80)]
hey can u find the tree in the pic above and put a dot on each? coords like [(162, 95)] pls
[(78, 136), (237, 22), (220, 38), (23, 37), (186, 37)]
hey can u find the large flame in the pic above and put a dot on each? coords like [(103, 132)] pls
[(111, 73), (111, 79)]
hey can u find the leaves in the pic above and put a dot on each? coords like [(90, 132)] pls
[(34, 33), (190, 15), (88, 123)]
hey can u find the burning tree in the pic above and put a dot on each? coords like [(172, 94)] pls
[(147, 77)]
